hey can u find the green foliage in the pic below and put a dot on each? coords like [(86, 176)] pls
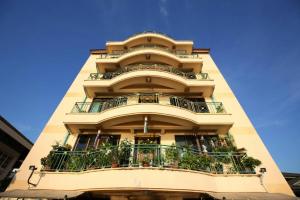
[(194, 161), (58, 147), (54, 160), (220, 108), (172, 154), (124, 152), (75, 162), (218, 167), (250, 162)]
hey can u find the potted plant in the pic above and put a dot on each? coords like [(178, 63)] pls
[(124, 152), (114, 157), (56, 159), (91, 158), (75, 162), (146, 161), (204, 162), (188, 160), (146, 151), (45, 163), (250, 163), (172, 156)]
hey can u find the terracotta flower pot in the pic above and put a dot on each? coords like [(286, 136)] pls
[(146, 164), (114, 165)]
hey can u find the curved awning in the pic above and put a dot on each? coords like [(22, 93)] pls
[(65, 194)]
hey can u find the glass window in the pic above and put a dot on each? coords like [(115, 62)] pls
[(97, 104), (186, 140), (87, 141), (82, 142), (111, 139), (200, 142)]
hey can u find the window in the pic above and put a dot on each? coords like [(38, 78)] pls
[(198, 142), (86, 141), (186, 140), (98, 103)]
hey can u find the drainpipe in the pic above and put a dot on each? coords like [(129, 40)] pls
[(97, 137), (146, 124)]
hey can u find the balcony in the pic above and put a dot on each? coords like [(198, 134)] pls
[(179, 102), (164, 111), (127, 155), (119, 53), (149, 67), (147, 167), (137, 79), (149, 38)]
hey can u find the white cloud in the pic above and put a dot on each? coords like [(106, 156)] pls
[(163, 10)]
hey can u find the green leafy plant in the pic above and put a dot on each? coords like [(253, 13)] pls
[(146, 161), (75, 162), (194, 161), (220, 108), (250, 162), (218, 167), (147, 146), (55, 160), (172, 155), (114, 156), (124, 152)]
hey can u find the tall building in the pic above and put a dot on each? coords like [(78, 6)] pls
[(149, 117), (14, 147)]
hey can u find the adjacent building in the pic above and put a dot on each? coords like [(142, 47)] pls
[(149, 117), (293, 180), (14, 147)]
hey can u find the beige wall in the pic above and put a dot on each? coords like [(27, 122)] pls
[(242, 130)]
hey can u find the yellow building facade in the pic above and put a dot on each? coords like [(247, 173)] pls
[(149, 117)]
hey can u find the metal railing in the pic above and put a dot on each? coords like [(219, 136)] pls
[(152, 32), (119, 53), (147, 155), (148, 67), (197, 107), (94, 107), (163, 99)]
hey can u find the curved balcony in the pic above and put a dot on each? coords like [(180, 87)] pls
[(150, 53), (179, 53), (148, 155), (119, 53), (144, 37), (196, 107), (167, 112), (149, 67), (144, 168), (142, 78)]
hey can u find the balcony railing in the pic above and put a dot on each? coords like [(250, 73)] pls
[(178, 53), (197, 107), (147, 155), (151, 67)]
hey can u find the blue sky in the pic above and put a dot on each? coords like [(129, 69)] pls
[(256, 44)]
